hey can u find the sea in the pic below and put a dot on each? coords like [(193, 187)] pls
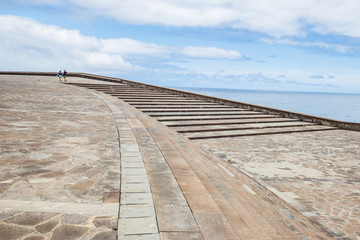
[(337, 106)]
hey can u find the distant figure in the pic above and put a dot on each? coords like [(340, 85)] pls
[(65, 73), (60, 75)]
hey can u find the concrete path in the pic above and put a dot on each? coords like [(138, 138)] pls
[(60, 162), (81, 164), (204, 119), (315, 172)]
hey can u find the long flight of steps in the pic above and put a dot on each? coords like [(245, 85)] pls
[(199, 119)]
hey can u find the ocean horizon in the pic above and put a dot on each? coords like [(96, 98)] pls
[(337, 106)]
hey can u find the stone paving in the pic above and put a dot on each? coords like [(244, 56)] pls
[(80, 164), (317, 173), (60, 162), (137, 219)]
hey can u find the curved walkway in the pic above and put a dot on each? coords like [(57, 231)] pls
[(76, 164), (60, 162)]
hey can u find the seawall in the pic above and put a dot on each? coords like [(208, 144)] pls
[(287, 114)]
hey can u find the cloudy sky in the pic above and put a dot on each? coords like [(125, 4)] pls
[(307, 45)]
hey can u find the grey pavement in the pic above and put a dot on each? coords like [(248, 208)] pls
[(81, 164), (60, 162)]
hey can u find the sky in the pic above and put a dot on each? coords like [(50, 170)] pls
[(286, 45)]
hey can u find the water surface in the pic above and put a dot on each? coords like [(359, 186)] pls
[(338, 106)]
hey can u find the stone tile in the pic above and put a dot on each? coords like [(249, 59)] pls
[(68, 232), (11, 232), (4, 187), (135, 211), (139, 164), (130, 148), (214, 226), (163, 181), (5, 213), (136, 198), (107, 222), (108, 209), (131, 154), (135, 178), (169, 196), (133, 171), (181, 236), (29, 218), (83, 185), (109, 235), (201, 201), (137, 226), (131, 159), (77, 219), (175, 219), (157, 168), (48, 226), (111, 197), (135, 187), (140, 237), (37, 237)]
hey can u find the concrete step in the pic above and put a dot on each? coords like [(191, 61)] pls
[(214, 128), (159, 101), (202, 113), (220, 117), (235, 209), (145, 94), (169, 103), (253, 132), (208, 106), (90, 85), (191, 110), (151, 98), (125, 92), (226, 122)]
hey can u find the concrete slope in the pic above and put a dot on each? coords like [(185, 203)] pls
[(183, 114)]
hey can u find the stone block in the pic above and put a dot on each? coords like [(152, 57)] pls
[(137, 226), (137, 211), (136, 198)]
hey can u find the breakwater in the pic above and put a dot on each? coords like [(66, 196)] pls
[(251, 107)]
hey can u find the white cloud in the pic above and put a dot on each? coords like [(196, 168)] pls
[(126, 46), (210, 52), (277, 18), (29, 45), (170, 13), (40, 2), (340, 48), (247, 79)]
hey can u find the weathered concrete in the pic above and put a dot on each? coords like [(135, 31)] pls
[(252, 107), (317, 173), (64, 148), (60, 161)]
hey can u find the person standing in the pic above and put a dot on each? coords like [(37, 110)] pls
[(60, 74), (64, 75)]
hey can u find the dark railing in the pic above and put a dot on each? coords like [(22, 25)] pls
[(288, 114)]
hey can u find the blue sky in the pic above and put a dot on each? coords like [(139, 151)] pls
[(308, 45)]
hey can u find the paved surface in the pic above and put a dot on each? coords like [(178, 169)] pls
[(317, 173), (59, 158), (308, 166), (200, 119), (82, 164)]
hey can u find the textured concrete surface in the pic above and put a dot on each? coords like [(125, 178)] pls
[(317, 173), (81, 164), (60, 162)]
